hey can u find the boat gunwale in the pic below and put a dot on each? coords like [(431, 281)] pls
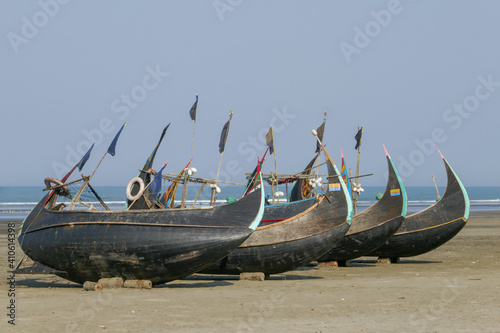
[(431, 227), (71, 224), (375, 226), (296, 239), (316, 204)]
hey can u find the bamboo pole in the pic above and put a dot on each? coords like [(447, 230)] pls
[(76, 198), (79, 193), (318, 161), (192, 141), (212, 198), (354, 194), (355, 202), (186, 176), (359, 151), (198, 196), (275, 167), (437, 191), (184, 189), (272, 187)]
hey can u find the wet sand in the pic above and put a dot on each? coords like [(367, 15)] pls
[(455, 288)]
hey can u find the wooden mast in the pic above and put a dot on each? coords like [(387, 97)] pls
[(355, 193), (275, 179), (186, 174)]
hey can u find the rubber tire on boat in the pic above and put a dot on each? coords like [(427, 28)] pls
[(129, 188), (52, 182)]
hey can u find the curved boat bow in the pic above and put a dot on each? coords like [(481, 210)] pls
[(375, 225), (432, 227)]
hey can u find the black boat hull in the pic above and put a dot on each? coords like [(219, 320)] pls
[(159, 254), (157, 245), (371, 228), (424, 231), (310, 228), (359, 244), (416, 243), (280, 257)]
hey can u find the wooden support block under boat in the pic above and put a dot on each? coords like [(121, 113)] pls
[(387, 260), (115, 282), (138, 284), (253, 276), (92, 286)]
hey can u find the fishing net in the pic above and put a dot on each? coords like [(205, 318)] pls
[(88, 199)]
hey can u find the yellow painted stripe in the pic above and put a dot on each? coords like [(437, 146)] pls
[(433, 227)]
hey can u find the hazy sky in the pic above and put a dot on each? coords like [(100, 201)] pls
[(413, 73)]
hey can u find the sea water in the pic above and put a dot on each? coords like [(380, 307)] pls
[(17, 202)]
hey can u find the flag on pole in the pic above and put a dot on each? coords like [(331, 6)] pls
[(84, 159), (358, 138), (343, 173), (270, 140), (192, 112), (79, 165), (155, 186), (223, 137), (112, 146), (321, 131), (149, 162), (224, 133)]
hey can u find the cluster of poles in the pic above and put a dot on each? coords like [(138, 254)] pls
[(185, 176)]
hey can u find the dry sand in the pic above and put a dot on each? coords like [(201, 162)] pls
[(455, 288)]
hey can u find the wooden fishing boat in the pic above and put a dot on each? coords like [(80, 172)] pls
[(432, 227), (154, 244), (293, 234), (371, 228)]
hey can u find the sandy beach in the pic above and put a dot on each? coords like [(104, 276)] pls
[(455, 288)]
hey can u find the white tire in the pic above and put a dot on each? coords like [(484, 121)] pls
[(129, 188)]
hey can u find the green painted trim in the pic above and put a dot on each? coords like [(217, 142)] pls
[(401, 185), (466, 196), (257, 220), (350, 210)]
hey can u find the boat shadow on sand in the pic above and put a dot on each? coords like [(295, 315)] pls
[(236, 278), (56, 282), (374, 263), (51, 281)]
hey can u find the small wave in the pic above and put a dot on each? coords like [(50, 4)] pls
[(17, 203)]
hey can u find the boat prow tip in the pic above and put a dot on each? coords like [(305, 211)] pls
[(385, 149), (439, 151)]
